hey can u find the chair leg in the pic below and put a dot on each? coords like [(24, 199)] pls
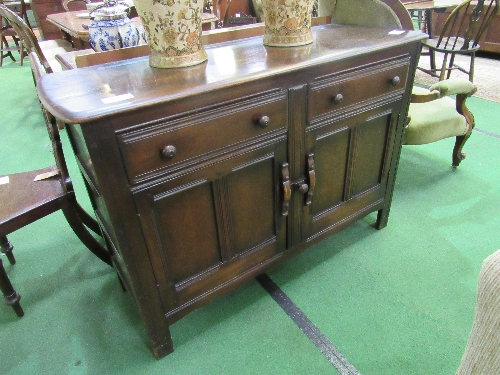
[(450, 65), (432, 59), (83, 234), (471, 70), (458, 155), (6, 248), (443, 67), (5, 44), (11, 296), (88, 220)]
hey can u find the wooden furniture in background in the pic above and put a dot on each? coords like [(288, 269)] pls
[(29, 196), (71, 25), (7, 32), (427, 9), (203, 177), (45, 51), (490, 42), (461, 34), (42, 8)]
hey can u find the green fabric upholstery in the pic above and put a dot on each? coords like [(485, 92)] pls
[(433, 115), (453, 86), (433, 121), (364, 13), (437, 119)]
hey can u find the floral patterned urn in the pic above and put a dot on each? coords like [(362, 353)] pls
[(173, 29), (111, 28), (288, 22)]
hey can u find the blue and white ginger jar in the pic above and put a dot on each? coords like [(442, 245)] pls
[(111, 28)]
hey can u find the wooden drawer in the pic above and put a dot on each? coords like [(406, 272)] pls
[(338, 91), (197, 136)]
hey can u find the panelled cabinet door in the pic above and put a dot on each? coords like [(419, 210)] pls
[(351, 160), (215, 223)]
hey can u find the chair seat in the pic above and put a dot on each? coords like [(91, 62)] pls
[(433, 121), (22, 196), (454, 44)]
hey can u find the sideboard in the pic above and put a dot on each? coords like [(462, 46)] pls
[(203, 177)]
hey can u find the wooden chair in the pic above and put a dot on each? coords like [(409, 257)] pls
[(29, 196), (79, 4), (45, 50), (19, 7), (461, 34), (7, 32), (433, 115)]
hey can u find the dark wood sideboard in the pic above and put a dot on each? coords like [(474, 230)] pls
[(203, 177)]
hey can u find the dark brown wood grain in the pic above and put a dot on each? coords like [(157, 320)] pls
[(201, 179)]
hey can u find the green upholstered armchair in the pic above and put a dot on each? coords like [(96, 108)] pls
[(433, 115)]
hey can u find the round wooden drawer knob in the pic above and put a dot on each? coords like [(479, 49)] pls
[(395, 81), (263, 121), (169, 152), (337, 99)]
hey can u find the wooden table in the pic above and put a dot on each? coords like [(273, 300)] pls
[(203, 177), (72, 26), (427, 7)]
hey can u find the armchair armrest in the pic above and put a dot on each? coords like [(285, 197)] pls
[(454, 86)]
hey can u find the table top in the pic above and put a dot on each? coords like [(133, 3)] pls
[(429, 5), (133, 84), (72, 22)]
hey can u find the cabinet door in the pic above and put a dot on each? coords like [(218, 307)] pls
[(350, 160), (215, 224)]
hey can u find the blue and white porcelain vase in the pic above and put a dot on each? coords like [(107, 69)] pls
[(111, 28)]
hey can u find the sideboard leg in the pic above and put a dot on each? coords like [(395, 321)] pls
[(382, 218), (164, 349)]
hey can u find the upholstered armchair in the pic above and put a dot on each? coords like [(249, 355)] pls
[(433, 115)]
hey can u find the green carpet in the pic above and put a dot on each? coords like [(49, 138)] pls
[(396, 301)]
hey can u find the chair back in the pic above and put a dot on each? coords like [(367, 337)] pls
[(19, 6), (57, 150), (78, 5), (466, 24), (26, 35)]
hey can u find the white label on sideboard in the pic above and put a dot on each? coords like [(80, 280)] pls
[(118, 98)]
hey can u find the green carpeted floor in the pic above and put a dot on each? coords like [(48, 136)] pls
[(395, 301)]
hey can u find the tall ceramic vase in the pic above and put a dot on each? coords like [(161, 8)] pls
[(288, 22), (173, 29)]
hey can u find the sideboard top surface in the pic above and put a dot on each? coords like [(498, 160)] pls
[(86, 94)]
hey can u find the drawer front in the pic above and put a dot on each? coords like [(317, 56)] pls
[(339, 91), (195, 137)]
